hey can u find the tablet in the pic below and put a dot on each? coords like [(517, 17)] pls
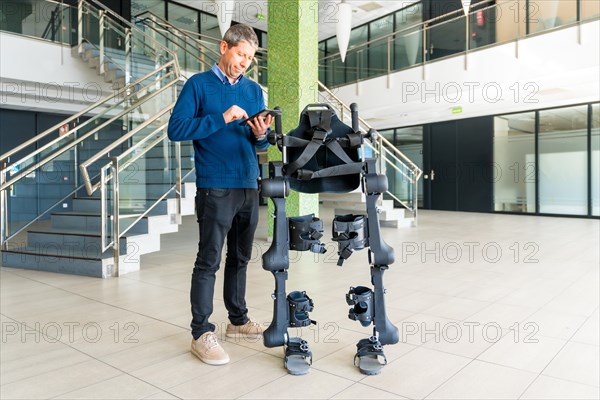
[(262, 113)]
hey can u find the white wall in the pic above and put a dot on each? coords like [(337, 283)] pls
[(552, 69), (44, 76)]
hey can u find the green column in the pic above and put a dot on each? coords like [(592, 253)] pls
[(293, 74)]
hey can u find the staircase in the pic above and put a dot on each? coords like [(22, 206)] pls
[(69, 240), (62, 198)]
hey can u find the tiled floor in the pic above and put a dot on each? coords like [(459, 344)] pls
[(489, 306)]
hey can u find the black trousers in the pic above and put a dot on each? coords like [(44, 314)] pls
[(231, 214)]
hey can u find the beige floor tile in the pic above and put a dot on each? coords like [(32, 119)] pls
[(421, 328), (314, 385), (140, 356), (521, 352), (156, 298), (416, 373), (579, 299), (60, 381), (465, 339), (457, 308), (480, 380), (232, 380), (589, 333), (553, 324), (545, 387), (161, 396), (503, 315), (484, 292), (123, 387), (341, 363), (578, 363), (360, 391), (47, 358), (173, 371), (419, 301), (103, 339)]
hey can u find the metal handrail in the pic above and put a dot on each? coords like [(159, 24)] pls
[(129, 24), (185, 49), (53, 129), (62, 150), (183, 32), (430, 21), (187, 34), (102, 153)]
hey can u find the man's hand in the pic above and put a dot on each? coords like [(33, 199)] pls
[(234, 113), (260, 125)]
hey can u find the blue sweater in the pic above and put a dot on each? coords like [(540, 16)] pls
[(225, 154)]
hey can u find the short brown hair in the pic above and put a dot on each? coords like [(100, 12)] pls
[(238, 33)]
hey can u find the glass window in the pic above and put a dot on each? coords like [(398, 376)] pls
[(410, 142), (183, 17), (356, 64), (378, 50), (408, 43), (209, 26), (563, 166), (595, 159), (508, 18), (482, 25), (334, 66), (446, 38), (514, 163), (590, 9), (156, 7), (548, 14)]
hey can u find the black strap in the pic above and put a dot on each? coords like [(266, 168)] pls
[(307, 154), (336, 170), (321, 128), (335, 147), (298, 347), (293, 141), (371, 347)]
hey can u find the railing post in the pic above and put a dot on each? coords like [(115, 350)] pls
[(467, 40), (80, 27), (416, 198), (103, 216), (101, 33), (424, 48), (178, 183), (128, 56), (518, 31), (389, 58), (116, 226), (3, 208)]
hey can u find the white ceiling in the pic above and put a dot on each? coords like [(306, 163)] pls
[(246, 11)]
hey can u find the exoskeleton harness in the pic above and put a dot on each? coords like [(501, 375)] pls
[(324, 155)]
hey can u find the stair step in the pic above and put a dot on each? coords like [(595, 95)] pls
[(100, 268), (90, 222), (93, 205)]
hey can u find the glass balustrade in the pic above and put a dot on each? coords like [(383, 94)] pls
[(415, 42), (42, 19)]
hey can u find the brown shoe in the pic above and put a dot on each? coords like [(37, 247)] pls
[(250, 330), (208, 349)]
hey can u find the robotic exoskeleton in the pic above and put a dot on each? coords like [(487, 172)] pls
[(324, 155)]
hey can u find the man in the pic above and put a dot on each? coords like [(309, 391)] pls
[(209, 111)]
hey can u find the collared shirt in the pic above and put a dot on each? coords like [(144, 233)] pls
[(221, 75)]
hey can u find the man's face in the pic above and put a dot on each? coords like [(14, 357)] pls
[(236, 60)]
